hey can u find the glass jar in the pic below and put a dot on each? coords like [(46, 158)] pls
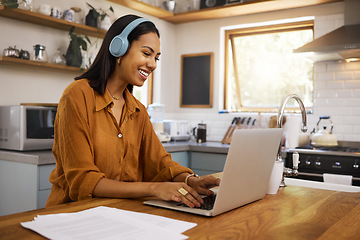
[(40, 53), (58, 58)]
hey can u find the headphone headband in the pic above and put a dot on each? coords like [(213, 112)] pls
[(120, 44)]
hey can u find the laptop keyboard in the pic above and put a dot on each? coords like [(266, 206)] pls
[(208, 203)]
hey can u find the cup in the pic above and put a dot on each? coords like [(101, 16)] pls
[(45, 9), (275, 178), (196, 5), (26, 5), (292, 131), (56, 12), (69, 15), (78, 15), (199, 133)]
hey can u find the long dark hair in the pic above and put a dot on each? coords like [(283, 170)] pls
[(104, 63)]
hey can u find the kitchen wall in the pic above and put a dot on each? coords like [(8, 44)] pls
[(337, 85)]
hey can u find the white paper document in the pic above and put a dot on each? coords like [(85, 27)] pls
[(108, 223)]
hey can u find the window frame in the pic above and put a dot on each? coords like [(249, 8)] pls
[(247, 31), (149, 92)]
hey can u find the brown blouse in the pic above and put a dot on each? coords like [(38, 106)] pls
[(89, 145)]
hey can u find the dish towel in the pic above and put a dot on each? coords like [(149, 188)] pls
[(337, 178)]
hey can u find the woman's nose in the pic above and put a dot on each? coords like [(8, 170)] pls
[(152, 64)]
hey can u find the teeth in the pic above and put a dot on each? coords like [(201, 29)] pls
[(143, 73)]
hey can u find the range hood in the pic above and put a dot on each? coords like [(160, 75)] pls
[(340, 44)]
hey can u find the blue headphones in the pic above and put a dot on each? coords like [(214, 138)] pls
[(120, 44)]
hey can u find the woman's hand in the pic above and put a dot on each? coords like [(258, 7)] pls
[(171, 191), (202, 185)]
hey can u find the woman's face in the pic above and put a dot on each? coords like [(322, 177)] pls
[(141, 59)]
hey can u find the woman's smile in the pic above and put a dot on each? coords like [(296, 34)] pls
[(144, 74)]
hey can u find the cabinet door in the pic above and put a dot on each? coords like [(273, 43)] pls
[(181, 157), (207, 163), (44, 184), (44, 173), (18, 187)]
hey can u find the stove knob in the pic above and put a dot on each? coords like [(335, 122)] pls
[(307, 163), (356, 166), (318, 163)]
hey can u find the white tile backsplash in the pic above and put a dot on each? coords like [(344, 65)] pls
[(343, 75)]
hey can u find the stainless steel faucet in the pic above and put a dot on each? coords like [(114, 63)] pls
[(288, 171)]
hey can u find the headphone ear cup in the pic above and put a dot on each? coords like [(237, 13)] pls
[(118, 46)]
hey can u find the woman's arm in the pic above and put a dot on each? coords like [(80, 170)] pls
[(164, 190)]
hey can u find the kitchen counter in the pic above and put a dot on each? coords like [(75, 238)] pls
[(46, 157), (294, 212), (208, 147), (31, 157)]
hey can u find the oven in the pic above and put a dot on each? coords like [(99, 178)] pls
[(343, 159)]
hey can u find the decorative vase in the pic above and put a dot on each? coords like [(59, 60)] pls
[(105, 23), (91, 19), (73, 55)]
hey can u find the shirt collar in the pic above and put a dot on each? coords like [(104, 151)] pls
[(131, 103), (102, 101)]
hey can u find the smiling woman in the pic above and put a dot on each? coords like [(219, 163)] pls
[(104, 143)]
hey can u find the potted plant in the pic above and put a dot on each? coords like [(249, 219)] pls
[(98, 15), (11, 3), (73, 54)]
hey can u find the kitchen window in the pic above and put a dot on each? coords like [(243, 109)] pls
[(261, 68)]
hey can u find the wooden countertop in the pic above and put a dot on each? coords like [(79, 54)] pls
[(293, 213)]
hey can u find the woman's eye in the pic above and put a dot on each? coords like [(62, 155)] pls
[(157, 59), (147, 54)]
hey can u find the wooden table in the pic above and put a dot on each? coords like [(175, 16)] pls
[(293, 213)]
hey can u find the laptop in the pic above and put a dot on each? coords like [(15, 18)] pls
[(246, 173)]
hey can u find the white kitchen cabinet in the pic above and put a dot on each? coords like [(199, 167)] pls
[(23, 186)]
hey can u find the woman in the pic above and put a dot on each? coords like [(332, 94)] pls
[(104, 142)]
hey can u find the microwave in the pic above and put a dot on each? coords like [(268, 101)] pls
[(27, 127)]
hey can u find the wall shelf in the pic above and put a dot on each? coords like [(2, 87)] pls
[(38, 65), (48, 21), (232, 10)]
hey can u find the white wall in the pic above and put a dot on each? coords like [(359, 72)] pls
[(336, 85)]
